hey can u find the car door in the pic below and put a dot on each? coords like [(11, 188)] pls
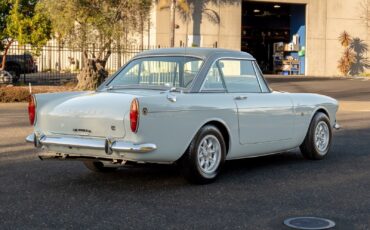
[(263, 116)]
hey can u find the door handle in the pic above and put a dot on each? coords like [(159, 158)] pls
[(239, 98)]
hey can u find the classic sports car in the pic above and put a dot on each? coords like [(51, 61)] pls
[(192, 106)]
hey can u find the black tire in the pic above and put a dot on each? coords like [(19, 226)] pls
[(309, 148), (190, 164), (97, 166)]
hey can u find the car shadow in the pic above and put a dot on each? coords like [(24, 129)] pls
[(258, 163), (153, 177), (156, 176)]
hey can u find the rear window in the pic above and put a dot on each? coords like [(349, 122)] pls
[(171, 71)]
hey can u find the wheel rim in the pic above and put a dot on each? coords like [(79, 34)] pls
[(209, 154), (322, 135)]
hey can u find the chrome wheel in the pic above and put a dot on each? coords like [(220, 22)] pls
[(317, 142), (322, 136), (209, 154), (205, 156)]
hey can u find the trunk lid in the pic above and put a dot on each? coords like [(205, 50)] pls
[(99, 114)]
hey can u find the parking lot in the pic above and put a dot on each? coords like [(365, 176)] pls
[(250, 194)]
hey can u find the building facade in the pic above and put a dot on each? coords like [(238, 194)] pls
[(305, 31)]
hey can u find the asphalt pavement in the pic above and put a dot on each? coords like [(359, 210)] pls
[(250, 194)]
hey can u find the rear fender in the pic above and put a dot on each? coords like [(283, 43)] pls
[(173, 125), (211, 120)]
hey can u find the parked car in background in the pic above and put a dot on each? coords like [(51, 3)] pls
[(18, 64), (192, 106), (5, 77)]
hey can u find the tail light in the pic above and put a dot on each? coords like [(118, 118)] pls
[(134, 115), (32, 109)]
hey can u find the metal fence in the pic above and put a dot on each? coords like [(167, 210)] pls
[(55, 65)]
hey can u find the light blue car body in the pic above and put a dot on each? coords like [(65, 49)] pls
[(80, 124)]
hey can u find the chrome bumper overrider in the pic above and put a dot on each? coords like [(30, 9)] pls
[(108, 145)]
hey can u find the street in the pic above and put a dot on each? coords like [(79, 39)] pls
[(253, 194)]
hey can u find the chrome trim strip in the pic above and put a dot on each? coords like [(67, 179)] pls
[(73, 142), (120, 146), (93, 143)]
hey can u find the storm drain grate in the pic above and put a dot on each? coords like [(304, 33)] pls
[(311, 223)]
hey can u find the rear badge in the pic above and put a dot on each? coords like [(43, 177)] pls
[(113, 128), (83, 132)]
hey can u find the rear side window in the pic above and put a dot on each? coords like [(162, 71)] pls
[(239, 76)]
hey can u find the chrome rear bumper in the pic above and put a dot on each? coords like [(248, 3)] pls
[(108, 145)]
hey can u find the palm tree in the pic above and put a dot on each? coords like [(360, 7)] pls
[(347, 59), (199, 11)]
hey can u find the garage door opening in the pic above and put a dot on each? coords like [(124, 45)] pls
[(275, 34)]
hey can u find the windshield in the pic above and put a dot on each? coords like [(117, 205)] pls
[(149, 72)]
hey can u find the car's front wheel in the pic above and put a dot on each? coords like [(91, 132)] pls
[(318, 139), (205, 156), (97, 166)]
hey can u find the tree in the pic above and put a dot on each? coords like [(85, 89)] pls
[(4, 14), (348, 57), (142, 8), (199, 11), (22, 21), (101, 23)]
